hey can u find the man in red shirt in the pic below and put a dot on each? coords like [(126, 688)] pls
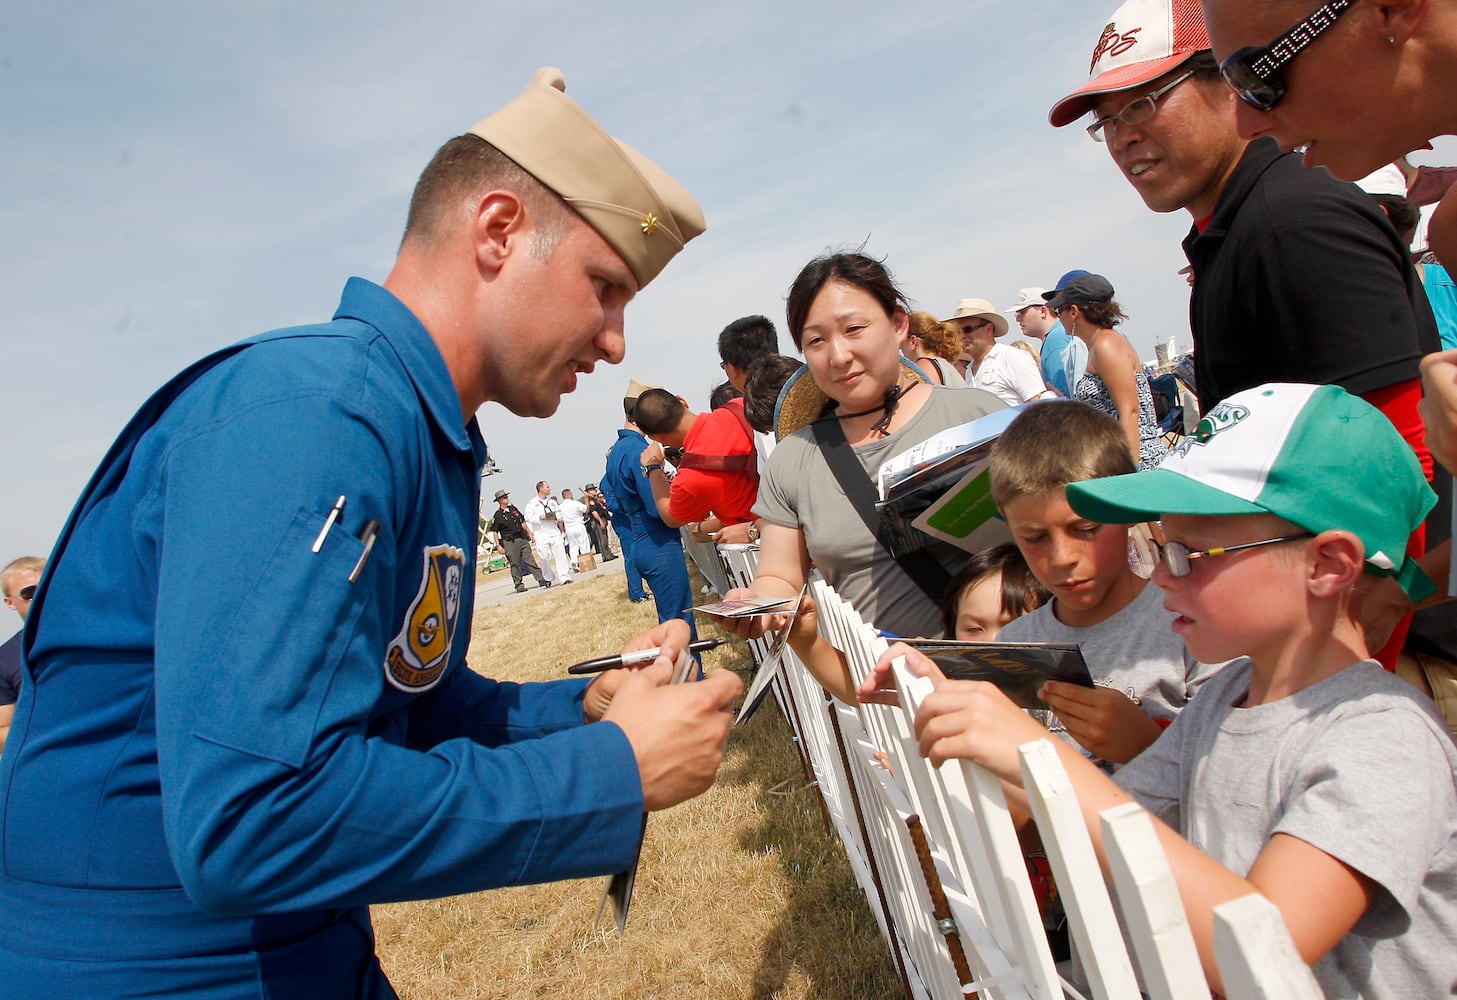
[(718, 473)]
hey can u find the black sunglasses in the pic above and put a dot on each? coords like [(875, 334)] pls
[(26, 593), (1254, 71)]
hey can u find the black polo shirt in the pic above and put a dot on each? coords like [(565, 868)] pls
[(1299, 277)]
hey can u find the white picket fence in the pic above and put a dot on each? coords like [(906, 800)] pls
[(938, 857)]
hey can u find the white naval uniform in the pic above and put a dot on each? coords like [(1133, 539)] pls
[(574, 520), (550, 543)]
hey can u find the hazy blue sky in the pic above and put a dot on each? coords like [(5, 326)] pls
[(177, 176)]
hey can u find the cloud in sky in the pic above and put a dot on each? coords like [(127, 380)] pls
[(179, 176)]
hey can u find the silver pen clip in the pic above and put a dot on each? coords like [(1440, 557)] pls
[(329, 523)]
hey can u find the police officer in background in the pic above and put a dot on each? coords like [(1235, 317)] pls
[(513, 538)]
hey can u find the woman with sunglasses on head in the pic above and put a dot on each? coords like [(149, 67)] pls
[(1358, 84), (1114, 381), (855, 404)]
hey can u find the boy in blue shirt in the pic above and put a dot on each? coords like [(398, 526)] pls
[(1302, 771)]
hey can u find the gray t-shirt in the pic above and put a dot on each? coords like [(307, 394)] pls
[(1135, 651), (1359, 766), (798, 490)]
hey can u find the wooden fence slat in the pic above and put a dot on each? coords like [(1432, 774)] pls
[(1256, 957), (1091, 920), (1149, 900)]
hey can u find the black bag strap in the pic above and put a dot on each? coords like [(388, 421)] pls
[(922, 567)]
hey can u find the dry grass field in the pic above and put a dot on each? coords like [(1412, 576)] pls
[(741, 892)]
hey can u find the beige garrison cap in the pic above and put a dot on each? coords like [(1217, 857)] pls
[(644, 214), (636, 388)]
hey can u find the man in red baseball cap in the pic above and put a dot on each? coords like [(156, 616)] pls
[(1297, 277)]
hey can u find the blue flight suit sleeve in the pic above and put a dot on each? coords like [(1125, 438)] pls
[(289, 775), (609, 485), (494, 713)]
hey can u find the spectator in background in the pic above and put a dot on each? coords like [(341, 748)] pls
[(741, 343), (619, 489), (1029, 347), (1007, 373), (657, 549), (18, 580), (598, 521), (574, 526), (1423, 187), (1063, 357), (934, 347), (766, 380), (1115, 381), (722, 393), (544, 518), (718, 472)]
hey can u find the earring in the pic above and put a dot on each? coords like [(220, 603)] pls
[(1390, 39)]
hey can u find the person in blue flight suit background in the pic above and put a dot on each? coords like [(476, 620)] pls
[(247, 714)]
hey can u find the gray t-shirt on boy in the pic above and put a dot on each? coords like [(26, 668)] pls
[(1134, 652), (1361, 767), (798, 490)]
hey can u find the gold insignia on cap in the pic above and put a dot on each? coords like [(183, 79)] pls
[(649, 224)]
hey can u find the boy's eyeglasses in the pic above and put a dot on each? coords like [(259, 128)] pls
[(1134, 112), (1254, 71), (26, 593), (1144, 553)]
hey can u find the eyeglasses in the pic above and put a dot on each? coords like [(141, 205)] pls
[(1144, 553), (971, 328), (26, 593), (1134, 112), (1254, 72)]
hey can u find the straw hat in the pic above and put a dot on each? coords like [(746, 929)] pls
[(802, 401), (979, 309)]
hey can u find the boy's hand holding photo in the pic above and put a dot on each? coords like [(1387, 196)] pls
[(1105, 722)]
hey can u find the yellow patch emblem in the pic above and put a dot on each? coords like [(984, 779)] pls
[(420, 652)]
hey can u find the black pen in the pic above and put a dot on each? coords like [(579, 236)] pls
[(367, 536), (636, 658)]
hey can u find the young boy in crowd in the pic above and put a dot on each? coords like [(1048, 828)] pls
[(1305, 771), (1143, 671)]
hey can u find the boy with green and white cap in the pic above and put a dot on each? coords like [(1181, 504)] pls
[(1302, 770)]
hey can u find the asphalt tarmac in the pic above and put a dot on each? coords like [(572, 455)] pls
[(496, 587)]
